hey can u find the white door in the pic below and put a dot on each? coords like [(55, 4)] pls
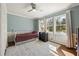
[(60, 34)]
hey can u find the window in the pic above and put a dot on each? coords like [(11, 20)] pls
[(61, 23), (50, 25), (53, 24), (41, 26)]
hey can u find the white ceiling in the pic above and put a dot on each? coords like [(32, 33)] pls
[(43, 9)]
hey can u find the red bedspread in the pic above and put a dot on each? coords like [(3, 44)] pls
[(25, 36)]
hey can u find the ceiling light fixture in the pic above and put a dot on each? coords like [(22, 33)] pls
[(34, 10)]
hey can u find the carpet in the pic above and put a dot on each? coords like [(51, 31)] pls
[(34, 48)]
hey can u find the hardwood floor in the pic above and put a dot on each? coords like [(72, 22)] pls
[(64, 51)]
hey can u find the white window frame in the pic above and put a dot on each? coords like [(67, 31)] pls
[(59, 25), (54, 23)]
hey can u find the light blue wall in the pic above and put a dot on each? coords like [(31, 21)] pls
[(75, 18), (19, 24), (36, 25)]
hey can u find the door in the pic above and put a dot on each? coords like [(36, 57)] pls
[(60, 33)]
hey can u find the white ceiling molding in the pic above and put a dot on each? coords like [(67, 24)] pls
[(18, 14)]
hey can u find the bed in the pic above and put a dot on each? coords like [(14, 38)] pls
[(26, 36)]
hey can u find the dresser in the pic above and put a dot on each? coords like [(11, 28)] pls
[(43, 36)]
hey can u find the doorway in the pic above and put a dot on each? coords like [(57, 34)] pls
[(59, 29)]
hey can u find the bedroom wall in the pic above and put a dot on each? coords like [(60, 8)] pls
[(3, 28), (19, 24), (75, 18), (35, 23)]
